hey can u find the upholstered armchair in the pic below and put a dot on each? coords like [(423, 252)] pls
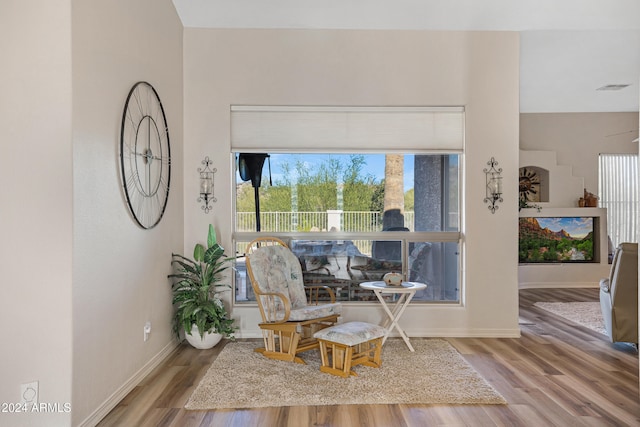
[(619, 295), (290, 312)]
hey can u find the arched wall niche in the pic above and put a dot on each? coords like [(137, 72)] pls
[(534, 184)]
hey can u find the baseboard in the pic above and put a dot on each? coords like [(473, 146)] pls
[(117, 396), (434, 333), (461, 333), (541, 285), (465, 333)]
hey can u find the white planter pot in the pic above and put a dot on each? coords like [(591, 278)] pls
[(209, 340)]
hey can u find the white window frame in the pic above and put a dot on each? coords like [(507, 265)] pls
[(295, 129)]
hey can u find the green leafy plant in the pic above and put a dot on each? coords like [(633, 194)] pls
[(524, 203), (196, 284)]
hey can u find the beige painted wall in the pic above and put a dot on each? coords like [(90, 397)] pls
[(119, 269), (79, 278), (370, 68), (35, 205), (578, 138)]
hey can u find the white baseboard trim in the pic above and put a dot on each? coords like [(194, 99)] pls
[(534, 285), (434, 333), (117, 396), (464, 333)]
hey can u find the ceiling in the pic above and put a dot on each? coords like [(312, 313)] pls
[(569, 48)]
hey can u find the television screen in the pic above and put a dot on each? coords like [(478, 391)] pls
[(556, 239)]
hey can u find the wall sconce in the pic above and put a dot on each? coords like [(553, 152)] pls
[(206, 184), (493, 185)]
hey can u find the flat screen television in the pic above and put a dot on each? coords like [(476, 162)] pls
[(556, 240)]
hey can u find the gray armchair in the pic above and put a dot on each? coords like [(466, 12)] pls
[(619, 295)]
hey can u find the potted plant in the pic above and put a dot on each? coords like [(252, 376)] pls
[(196, 285)]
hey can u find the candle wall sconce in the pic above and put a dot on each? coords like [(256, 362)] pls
[(206, 184), (493, 189)]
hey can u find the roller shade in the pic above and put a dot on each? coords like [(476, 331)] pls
[(255, 128)]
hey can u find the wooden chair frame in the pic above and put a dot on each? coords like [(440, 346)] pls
[(285, 339), (339, 359)]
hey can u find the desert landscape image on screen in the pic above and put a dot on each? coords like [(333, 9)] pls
[(556, 239)]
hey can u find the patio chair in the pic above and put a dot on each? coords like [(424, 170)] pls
[(290, 312)]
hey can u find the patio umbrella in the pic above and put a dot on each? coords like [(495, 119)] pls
[(250, 168)]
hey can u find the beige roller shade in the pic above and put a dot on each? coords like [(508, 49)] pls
[(277, 128)]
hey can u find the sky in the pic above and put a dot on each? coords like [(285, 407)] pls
[(374, 165), (577, 227)]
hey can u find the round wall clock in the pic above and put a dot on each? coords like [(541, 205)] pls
[(145, 155)]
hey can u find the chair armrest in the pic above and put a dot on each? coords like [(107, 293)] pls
[(605, 286), (269, 306), (313, 293)]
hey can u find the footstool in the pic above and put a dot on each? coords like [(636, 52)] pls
[(349, 344)]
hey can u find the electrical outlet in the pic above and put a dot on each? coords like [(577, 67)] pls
[(29, 394), (147, 330)]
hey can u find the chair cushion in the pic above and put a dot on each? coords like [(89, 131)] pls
[(310, 312), (277, 269), (351, 333)]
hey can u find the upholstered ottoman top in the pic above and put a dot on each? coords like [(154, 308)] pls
[(351, 333)]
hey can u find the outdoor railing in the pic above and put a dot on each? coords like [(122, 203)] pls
[(357, 221)]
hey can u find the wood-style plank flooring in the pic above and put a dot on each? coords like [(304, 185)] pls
[(557, 374)]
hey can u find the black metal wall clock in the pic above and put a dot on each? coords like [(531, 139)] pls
[(145, 155)]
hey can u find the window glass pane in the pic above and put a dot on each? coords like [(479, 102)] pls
[(335, 211), (437, 265), (243, 289), (342, 265), (352, 192)]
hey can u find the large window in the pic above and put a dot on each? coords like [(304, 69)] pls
[(618, 191), (351, 218), (355, 191)]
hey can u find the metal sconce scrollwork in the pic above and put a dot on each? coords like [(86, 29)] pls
[(206, 184), (493, 189)]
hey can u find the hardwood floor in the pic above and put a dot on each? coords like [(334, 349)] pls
[(557, 374)]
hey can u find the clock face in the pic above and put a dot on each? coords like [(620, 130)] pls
[(145, 157)]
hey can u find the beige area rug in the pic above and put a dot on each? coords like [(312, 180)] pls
[(436, 373), (587, 314)]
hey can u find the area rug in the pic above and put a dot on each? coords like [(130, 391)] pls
[(588, 314), (434, 374)]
